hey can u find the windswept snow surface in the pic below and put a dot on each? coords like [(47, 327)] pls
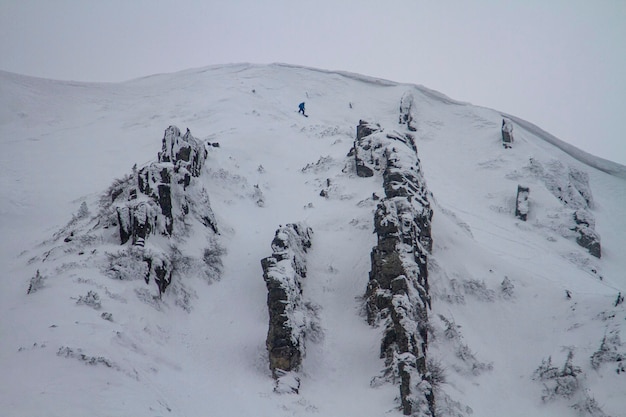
[(64, 143)]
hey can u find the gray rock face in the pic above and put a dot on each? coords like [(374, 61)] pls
[(521, 203), (507, 133), (397, 292), (283, 272)]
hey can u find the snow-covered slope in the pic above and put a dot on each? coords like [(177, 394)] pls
[(506, 294)]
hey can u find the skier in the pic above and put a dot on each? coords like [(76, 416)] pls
[(301, 109)]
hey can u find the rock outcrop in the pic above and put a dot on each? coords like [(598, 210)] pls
[(406, 111), (283, 272), (397, 294), (587, 237), (156, 200), (507, 133), (571, 186), (521, 203)]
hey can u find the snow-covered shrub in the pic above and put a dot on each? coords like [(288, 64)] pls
[(507, 288), (67, 352), (557, 382), (212, 258), (127, 265), (619, 300), (589, 407), (469, 363), (609, 352), (257, 196), (36, 283), (436, 372), (447, 407), (478, 289), (91, 299)]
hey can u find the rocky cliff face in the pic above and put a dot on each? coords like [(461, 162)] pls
[(283, 272), (397, 294)]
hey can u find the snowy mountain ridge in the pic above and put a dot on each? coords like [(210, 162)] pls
[(152, 299)]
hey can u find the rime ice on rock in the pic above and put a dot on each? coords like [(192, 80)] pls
[(406, 111), (283, 272), (159, 197), (507, 133), (363, 153), (149, 215), (521, 203), (571, 186), (397, 292)]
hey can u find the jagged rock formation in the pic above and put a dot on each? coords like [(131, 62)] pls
[(156, 200), (397, 293), (149, 216), (571, 186), (507, 133), (283, 272), (521, 202), (180, 159), (406, 111)]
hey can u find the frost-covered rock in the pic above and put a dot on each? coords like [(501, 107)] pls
[(521, 203), (397, 292), (571, 186), (157, 199), (507, 133), (151, 213), (587, 237), (407, 110), (283, 272), (362, 149), (185, 152)]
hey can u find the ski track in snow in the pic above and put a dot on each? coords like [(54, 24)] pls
[(65, 142)]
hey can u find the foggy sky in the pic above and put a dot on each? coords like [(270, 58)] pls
[(560, 64)]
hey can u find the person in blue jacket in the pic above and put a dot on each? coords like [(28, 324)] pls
[(301, 108)]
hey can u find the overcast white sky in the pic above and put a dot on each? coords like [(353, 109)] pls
[(560, 64)]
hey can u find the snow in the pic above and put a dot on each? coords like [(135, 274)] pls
[(65, 143)]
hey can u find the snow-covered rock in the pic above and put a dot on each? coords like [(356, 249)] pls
[(283, 272), (397, 292), (521, 203), (507, 133)]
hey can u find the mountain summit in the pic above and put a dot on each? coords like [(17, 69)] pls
[(189, 244)]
